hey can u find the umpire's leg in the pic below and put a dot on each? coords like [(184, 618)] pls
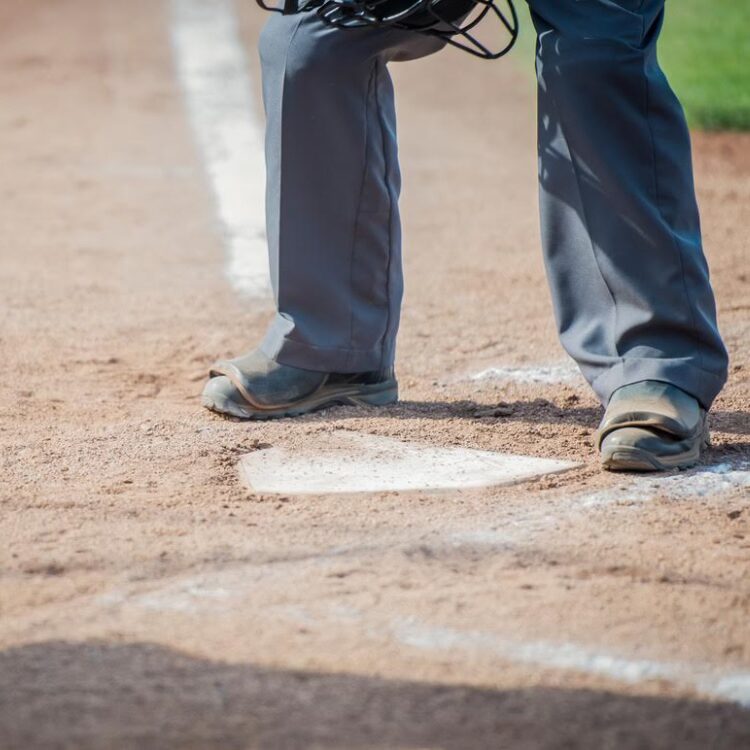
[(619, 220), (333, 186)]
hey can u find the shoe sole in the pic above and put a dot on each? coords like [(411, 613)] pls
[(380, 394), (624, 458)]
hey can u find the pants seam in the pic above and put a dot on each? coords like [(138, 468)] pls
[(387, 176), (584, 217), (281, 159), (657, 198), (363, 182)]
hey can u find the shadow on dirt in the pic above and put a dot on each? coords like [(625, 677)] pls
[(735, 422), (538, 411), (114, 696)]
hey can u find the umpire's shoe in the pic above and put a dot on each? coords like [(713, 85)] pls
[(256, 387), (652, 426)]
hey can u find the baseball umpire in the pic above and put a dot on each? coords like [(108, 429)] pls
[(620, 227)]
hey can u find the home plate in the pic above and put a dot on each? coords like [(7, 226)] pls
[(345, 462)]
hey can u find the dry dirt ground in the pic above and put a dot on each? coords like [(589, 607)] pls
[(148, 599)]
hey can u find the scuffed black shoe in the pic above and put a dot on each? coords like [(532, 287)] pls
[(652, 426), (256, 387)]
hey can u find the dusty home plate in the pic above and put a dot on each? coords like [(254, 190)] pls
[(346, 461)]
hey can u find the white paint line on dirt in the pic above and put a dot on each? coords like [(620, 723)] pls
[(728, 686), (713, 482), (183, 598), (347, 462), (225, 593), (545, 374), (136, 171), (482, 537), (213, 71), (708, 481), (203, 594), (220, 590), (720, 483)]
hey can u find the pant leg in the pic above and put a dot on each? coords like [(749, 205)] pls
[(620, 225), (332, 194)]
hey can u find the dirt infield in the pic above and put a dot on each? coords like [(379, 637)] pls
[(148, 599)]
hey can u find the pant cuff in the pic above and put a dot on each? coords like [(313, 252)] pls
[(699, 383), (281, 348)]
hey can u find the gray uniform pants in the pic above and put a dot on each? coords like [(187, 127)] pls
[(620, 226)]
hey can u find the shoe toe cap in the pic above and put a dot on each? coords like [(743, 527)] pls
[(640, 448), (220, 394)]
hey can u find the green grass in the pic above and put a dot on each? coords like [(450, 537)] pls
[(705, 51)]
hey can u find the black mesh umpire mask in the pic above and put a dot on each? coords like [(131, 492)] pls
[(454, 21)]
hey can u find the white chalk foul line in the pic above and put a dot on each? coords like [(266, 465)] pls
[(705, 679), (226, 592), (716, 481), (544, 374), (708, 481), (214, 75)]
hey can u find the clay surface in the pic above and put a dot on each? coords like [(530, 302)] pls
[(148, 599)]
